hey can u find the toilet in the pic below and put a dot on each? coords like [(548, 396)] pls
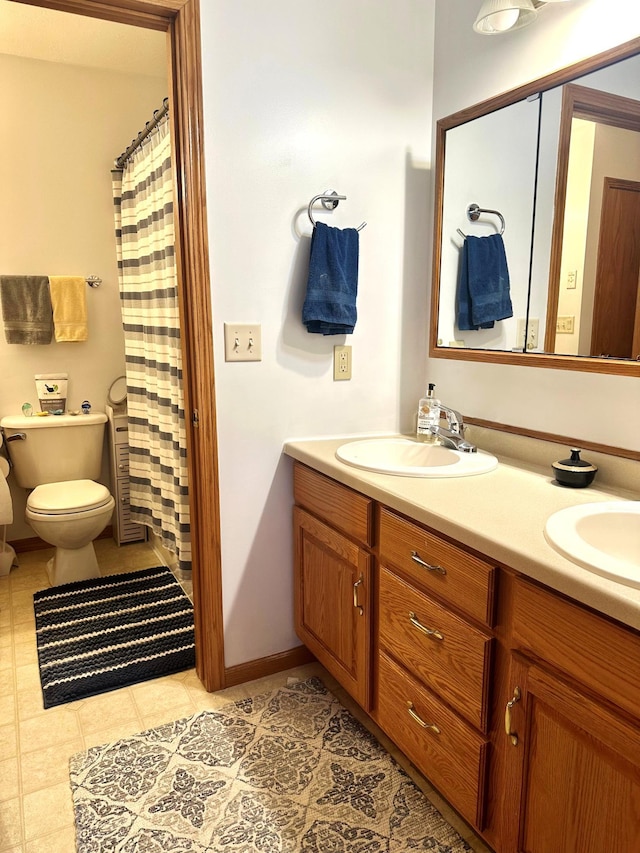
[(58, 458)]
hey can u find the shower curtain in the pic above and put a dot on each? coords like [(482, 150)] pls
[(143, 199)]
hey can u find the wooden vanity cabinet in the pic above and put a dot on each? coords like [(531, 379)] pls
[(573, 755), (435, 606), (434, 641), (333, 530)]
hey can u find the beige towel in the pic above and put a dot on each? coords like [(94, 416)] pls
[(69, 301), (26, 309)]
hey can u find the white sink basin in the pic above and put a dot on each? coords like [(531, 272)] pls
[(410, 458), (601, 537)]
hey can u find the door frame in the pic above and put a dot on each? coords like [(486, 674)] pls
[(180, 19)]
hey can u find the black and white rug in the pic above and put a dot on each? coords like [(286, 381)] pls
[(289, 771), (101, 634)]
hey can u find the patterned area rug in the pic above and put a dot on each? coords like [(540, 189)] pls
[(101, 634), (287, 771)]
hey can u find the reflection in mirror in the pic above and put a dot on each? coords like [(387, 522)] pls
[(486, 159), (594, 304), (540, 155)]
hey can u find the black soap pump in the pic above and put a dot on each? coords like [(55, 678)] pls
[(574, 472)]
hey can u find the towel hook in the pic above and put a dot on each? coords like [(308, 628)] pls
[(473, 213), (329, 201)]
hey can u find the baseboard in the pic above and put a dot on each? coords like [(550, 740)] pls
[(35, 543), (260, 667)]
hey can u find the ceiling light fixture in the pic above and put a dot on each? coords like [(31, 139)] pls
[(499, 16)]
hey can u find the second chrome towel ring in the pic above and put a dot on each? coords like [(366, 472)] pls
[(329, 200), (473, 213)]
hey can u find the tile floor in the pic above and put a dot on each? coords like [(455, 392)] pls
[(35, 744)]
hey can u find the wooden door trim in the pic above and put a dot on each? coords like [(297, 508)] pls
[(180, 19)]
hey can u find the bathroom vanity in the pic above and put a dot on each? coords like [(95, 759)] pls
[(509, 676)]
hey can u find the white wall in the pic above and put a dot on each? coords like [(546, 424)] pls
[(300, 98), (61, 128), (470, 68)]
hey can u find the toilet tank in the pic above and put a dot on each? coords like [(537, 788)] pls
[(55, 448)]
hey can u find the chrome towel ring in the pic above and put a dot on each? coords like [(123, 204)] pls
[(329, 201), (473, 213)]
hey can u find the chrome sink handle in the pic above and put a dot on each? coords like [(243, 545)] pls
[(452, 439), (454, 419)]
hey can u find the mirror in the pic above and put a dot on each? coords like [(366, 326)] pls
[(557, 160)]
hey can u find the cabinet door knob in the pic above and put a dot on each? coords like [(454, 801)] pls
[(418, 559), (513, 736), (430, 632), (356, 604), (418, 719)]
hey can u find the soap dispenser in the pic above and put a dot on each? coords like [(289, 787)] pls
[(428, 416)]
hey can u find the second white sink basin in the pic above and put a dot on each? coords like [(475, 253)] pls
[(408, 458), (602, 537)]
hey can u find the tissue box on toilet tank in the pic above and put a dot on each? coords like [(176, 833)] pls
[(52, 391)]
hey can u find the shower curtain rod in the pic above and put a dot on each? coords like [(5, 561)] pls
[(158, 115)]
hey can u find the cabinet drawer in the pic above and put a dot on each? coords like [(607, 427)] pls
[(447, 654), (601, 655), (122, 460), (343, 508), (451, 573), (448, 751), (127, 530), (120, 429)]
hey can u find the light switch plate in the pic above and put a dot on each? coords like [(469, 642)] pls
[(242, 342)]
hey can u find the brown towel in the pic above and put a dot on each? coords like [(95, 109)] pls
[(26, 309), (69, 301)]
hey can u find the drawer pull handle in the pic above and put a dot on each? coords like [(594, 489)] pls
[(430, 632), (414, 716), (356, 604), (513, 736), (418, 559)]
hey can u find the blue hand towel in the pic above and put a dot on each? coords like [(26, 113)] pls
[(483, 288), (463, 297), (330, 304)]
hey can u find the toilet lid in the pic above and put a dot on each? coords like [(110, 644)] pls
[(70, 496)]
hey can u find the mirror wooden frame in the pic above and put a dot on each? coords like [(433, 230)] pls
[(588, 364)]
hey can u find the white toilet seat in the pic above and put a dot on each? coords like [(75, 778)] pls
[(71, 496)]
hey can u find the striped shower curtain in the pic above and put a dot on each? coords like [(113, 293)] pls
[(143, 199)]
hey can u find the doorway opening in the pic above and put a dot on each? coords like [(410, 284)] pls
[(180, 20)]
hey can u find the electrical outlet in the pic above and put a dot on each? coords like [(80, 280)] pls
[(242, 342), (341, 363), (572, 279), (531, 340)]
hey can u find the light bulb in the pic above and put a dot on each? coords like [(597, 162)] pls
[(502, 21)]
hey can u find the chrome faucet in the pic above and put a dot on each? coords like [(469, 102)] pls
[(453, 434)]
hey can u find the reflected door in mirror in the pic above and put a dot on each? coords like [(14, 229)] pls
[(616, 323)]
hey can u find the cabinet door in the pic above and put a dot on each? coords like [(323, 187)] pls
[(333, 602), (573, 770)]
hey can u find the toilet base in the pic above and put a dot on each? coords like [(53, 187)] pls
[(73, 564)]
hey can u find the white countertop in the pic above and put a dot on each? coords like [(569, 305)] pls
[(502, 514)]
